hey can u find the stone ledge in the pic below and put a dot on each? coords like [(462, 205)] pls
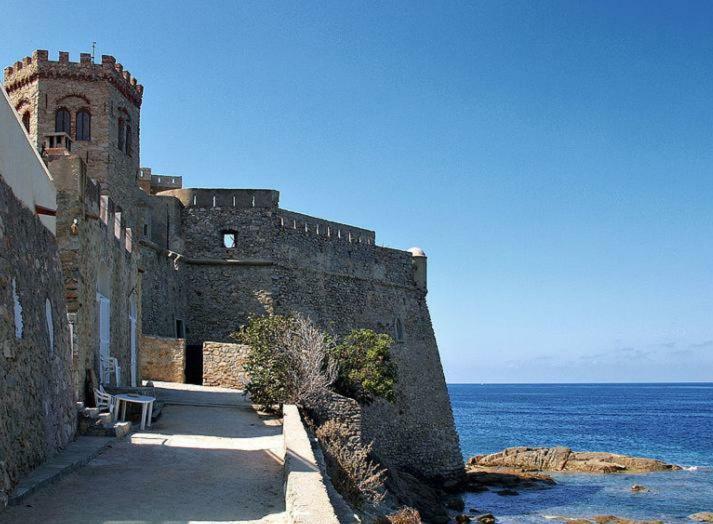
[(75, 455), (306, 497)]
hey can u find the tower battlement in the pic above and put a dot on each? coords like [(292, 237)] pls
[(39, 65)]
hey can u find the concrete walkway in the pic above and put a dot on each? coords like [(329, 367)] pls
[(216, 461)]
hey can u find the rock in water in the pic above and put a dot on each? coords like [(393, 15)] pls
[(564, 459), (703, 516)]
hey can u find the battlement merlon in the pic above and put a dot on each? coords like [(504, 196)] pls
[(39, 66)]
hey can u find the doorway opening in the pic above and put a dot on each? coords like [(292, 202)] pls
[(194, 364)]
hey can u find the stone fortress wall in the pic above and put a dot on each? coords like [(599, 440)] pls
[(285, 262), (158, 251), (99, 255)]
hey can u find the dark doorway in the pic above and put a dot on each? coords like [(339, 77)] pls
[(194, 365)]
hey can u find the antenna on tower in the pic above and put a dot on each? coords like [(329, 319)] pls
[(94, 48)]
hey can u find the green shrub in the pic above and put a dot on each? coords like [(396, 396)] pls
[(291, 360), (364, 366), (266, 367)]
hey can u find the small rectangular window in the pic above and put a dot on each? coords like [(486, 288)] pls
[(229, 240)]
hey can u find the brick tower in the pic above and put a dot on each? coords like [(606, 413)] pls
[(86, 109)]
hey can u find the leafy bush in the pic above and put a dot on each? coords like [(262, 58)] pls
[(288, 360), (291, 360), (266, 368), (353, 473), (364, 366)]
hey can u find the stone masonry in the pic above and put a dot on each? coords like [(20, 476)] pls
[(195, 264), (37, 415), (163, 358), (223, 364)]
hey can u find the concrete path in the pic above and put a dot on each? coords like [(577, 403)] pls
[(214, 462)]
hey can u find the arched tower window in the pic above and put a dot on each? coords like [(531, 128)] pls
[(122, 133), (26, 121), (62, 121), (128, 140), (84, 125)]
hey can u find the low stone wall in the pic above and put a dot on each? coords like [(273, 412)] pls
[(163, 358), (223, 364), (306, 497), (343, 410)]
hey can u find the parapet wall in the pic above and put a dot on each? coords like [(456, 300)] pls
[(291, 221), (225, 198), (306, 496), (40, 66)]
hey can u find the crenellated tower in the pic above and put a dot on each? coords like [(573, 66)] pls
[(82, 108)]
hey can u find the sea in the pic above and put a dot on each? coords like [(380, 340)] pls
[(670, 422)]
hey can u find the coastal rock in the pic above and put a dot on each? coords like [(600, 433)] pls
[(564, 459), (481, 479), (455, 503), (414, 492), (486, 519), (604, 519), (703, 516)]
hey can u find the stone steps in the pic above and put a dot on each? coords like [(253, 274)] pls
[(94, 423)]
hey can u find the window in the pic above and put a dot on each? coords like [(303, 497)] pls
[(26, 121), (228, 239), (17, 309), (399, 330), (62, 122), (50, 324), (128, 140), (84, 125), (122, 134), (180, 329)]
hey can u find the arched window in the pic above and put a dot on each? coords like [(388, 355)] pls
[(50, 324), (62, 121), (84, 125), (399, 330), (26, 121), (122, 134), (128, 140)]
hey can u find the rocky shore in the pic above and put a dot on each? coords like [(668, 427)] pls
[(524, 459)]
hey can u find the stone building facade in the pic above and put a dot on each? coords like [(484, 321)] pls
[(195, 264), (37, 413)]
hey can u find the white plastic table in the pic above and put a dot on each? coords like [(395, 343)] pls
[(146, 407)]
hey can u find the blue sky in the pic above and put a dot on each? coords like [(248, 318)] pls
[(554, 159)]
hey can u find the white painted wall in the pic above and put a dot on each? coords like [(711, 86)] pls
[(21, 166)]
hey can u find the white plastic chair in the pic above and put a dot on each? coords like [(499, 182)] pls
[(104, 400), (109, 366)]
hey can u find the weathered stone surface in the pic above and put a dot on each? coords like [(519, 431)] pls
[(564, 459), (223, 364), (282, 262), (481, 479), (37, 414), (163, 358)]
